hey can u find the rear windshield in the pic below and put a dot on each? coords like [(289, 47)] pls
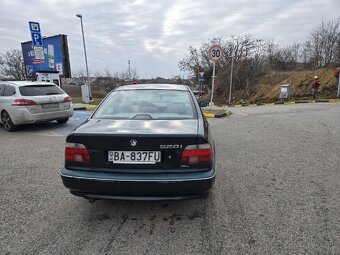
[(40, 90), (147, 104)]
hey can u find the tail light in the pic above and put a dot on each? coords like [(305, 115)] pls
[(23, 102), (76, 152), (67, 99), (197, 154)]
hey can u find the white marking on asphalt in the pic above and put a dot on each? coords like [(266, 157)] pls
[(47, 134), (242, 113)]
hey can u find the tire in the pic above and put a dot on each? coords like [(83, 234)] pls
[(62, 121), (7, 122)]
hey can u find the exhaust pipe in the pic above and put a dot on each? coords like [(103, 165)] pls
[(91, 200)]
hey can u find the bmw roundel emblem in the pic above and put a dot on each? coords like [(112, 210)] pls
[(133, 142)]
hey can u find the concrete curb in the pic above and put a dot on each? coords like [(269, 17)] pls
[(92, 107), (302, 102), (288, 102), (206, 114), (219, 115), (85, 108)]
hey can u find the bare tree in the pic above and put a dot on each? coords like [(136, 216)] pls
[(191, 61), (107, 73), (249, 60), (323, 44), (12, 65), (80, 77)]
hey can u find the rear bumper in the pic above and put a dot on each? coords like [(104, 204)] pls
[(24, 116), (100, 185)]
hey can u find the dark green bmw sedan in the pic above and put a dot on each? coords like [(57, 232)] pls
[(143, 142)]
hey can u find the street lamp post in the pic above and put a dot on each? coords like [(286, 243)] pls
[(80, 16)]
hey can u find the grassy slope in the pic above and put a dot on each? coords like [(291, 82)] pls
[(301, 85)]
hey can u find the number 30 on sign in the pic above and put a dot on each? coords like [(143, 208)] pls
[(215, 53)]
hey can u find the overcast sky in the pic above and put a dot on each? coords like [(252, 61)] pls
[(155, 35)]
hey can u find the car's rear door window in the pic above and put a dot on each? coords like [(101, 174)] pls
[(2, 89), (9, 91), (40, 90), (147, 104)]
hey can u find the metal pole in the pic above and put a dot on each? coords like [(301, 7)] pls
[(231, 78), (129, 69), (212, 86), (198, 79), (201, 87), (87, 68)]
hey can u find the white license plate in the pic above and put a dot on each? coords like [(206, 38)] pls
[(134, 157), (51, 105)]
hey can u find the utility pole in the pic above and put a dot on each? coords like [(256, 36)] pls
[(129, 70), (231, 77)]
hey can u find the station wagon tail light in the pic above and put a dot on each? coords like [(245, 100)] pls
[(67, 99), (76, 152), (23, 102), (197, 154)]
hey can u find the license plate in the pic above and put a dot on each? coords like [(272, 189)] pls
[(134, 157), (51, 105)]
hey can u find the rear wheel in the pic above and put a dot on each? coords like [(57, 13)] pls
[(7, 122), (62, 121)]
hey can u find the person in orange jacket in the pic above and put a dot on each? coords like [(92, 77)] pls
[(315, 85)]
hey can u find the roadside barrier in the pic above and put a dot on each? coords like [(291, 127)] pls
[(216, 115), (288, 102)]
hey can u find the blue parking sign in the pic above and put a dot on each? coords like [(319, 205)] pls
[(36, 39), (35, 33)]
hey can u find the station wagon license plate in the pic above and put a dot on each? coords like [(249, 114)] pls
[(134, 157), (50, 105)]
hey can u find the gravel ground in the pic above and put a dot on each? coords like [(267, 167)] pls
[(277, 192)]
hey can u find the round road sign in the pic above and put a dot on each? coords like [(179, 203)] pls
[(215, 53)]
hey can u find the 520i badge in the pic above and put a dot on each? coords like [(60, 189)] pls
[(170, 146)]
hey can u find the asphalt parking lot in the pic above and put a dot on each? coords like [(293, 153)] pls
[(277, 192)]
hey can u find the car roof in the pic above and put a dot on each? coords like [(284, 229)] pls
[(154, 86), (27, 83)]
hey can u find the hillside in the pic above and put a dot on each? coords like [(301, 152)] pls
[(301, 85), (268, 86)]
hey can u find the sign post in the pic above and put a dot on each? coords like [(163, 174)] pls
[(201, 80), (37, 40), (215, 54)]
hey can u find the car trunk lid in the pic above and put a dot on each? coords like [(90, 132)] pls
[(44, 98), (51, 103), (169, 137)]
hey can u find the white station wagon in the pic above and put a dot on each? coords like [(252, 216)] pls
[(24, 102)]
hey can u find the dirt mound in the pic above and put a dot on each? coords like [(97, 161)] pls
[(268, 86)]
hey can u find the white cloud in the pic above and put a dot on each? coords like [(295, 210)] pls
[(155, 35)]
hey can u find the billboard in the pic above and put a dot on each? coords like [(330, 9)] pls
[(56, 57)]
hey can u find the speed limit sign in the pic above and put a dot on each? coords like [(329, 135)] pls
[(215, 53)]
